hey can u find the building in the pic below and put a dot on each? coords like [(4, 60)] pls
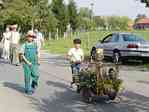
[(142, 24)]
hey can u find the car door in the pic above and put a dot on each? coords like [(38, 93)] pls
[(110, 43)]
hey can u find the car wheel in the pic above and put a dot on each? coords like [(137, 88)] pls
[(93, 53), (116, 57)]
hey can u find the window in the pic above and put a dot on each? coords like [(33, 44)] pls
[(107, 39), (131, 38), (115, 38)]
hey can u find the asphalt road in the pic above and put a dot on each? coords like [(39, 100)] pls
[(54, 94)]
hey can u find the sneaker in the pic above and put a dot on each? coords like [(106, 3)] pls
[(29, 92), (34, 85), (17, 64), (71, 84)]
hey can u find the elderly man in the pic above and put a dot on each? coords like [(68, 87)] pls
[(39, 41), (6, 44), (14, 45)]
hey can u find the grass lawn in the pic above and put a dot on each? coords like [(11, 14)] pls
[(89, 39), (61, 46)]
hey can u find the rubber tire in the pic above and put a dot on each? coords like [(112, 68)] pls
[(116, 57), (93, 53)]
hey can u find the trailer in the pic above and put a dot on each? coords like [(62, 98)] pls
[(98, 79)]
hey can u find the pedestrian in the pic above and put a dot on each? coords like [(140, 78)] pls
[(6, 44), (14, 45), (76, 57), (29, 54), (39, 40)]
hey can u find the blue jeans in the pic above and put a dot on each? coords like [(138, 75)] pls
[(75, 68)]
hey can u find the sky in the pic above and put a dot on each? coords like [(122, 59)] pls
[(130, 8)]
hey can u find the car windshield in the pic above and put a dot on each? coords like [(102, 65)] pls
[(132, 38)]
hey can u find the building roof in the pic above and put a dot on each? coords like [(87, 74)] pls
[(143, 21)]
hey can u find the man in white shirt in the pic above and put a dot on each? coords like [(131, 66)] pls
[(6, 43), (14, 45), (76, 57), (39, 40)]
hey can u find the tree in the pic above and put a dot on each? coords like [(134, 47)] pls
[(73, 15), (85, 12), (28, 12), (113, 23), (59, 10), (39, 10), (146, 2), (118, 23), (85, 20), (49, 24), (100, 21), (123, 22), (14, 13)]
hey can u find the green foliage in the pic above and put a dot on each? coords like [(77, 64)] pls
[(85, 12), (14, 13), (28, 13), (55, 17), (85, 20), (49, 24), (73, 15), (59, 10), (118, 23), (123, 23), (100, 21), (146, 2), (88, 79), (112, 22)]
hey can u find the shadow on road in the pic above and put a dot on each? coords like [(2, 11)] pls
[(63, 100), (14, 86), (129, 65), (69, 101), (2, 61), (135, 102), (57, 60), (143, 82)]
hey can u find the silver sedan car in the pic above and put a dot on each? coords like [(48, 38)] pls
[(121, 46)]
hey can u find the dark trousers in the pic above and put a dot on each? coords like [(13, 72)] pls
[(75, 67)]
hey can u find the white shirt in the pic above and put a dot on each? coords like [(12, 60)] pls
[(76, 54), (15, 37), (39, 38), (6, 37)]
